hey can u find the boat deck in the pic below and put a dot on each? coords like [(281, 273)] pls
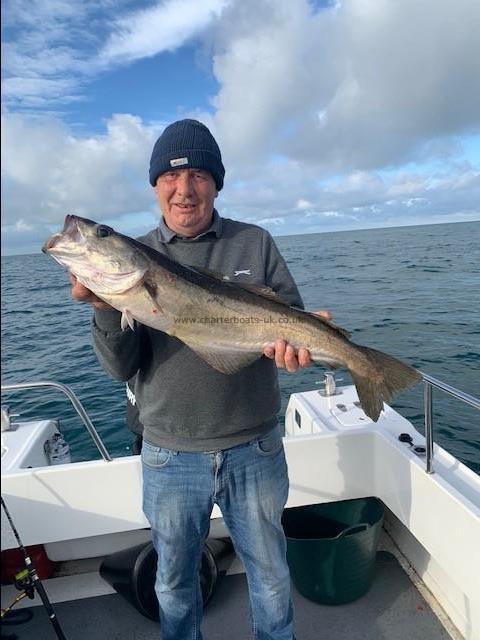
[(393, 609)]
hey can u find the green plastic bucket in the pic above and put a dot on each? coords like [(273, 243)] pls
[(331, 548)]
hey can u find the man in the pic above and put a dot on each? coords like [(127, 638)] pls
[(208, 437)]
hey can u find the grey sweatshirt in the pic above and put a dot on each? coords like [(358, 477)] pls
[(184, 403)]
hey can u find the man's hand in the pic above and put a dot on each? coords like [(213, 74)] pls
[(80, 293), (284, 354)]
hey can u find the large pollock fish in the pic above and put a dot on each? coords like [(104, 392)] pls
[(226, 324)]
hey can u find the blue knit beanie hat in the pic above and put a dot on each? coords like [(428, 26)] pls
[(187, 144)]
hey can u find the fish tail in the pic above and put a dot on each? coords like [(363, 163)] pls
[(383, 376)]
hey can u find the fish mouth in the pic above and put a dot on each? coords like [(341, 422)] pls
[(70, 231)]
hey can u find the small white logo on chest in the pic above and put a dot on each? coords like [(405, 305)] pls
[(243, 272)]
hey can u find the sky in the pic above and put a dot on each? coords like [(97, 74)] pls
[(330, 115)]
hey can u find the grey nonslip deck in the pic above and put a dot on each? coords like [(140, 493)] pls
[(392, 610)]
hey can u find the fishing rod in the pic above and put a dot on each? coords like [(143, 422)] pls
[(35, 580)]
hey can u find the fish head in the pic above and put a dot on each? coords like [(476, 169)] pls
[(103, 260)]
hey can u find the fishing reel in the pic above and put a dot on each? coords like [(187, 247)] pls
[(23, 582)]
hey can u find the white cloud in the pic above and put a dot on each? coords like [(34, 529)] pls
[(412, 202), (304, 204), (53, 48), (356, 86), (358, 181), (367, 85), (47, 171), (45, 52), (21, 226), (331, 214), (39, 92), (270, 222), (165, 26)]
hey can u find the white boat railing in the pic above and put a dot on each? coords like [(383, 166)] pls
[(428, 410), (429, 382), (77, 405)]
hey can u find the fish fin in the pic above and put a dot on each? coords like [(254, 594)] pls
[(151, 289), (322, 320), (127, 320), (386, 376), (225, 362), (259, 289), (262, 290), (341, 330)]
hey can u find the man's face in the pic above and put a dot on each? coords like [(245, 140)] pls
[(186, 198)]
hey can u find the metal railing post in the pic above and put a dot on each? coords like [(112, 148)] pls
[(428, 409), (428, 412), (77, 405)]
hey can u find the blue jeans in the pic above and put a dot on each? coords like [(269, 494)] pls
[(249, 483)]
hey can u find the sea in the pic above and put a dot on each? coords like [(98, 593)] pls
[(413, 292)]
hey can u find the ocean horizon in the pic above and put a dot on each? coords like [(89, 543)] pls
[(310, 233)]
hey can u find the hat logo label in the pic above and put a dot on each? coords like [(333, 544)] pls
[(178, 162)]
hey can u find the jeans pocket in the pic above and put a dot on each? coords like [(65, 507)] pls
[(271, 443), (155, 457)]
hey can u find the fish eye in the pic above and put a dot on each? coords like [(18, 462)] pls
[(103, 231)]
